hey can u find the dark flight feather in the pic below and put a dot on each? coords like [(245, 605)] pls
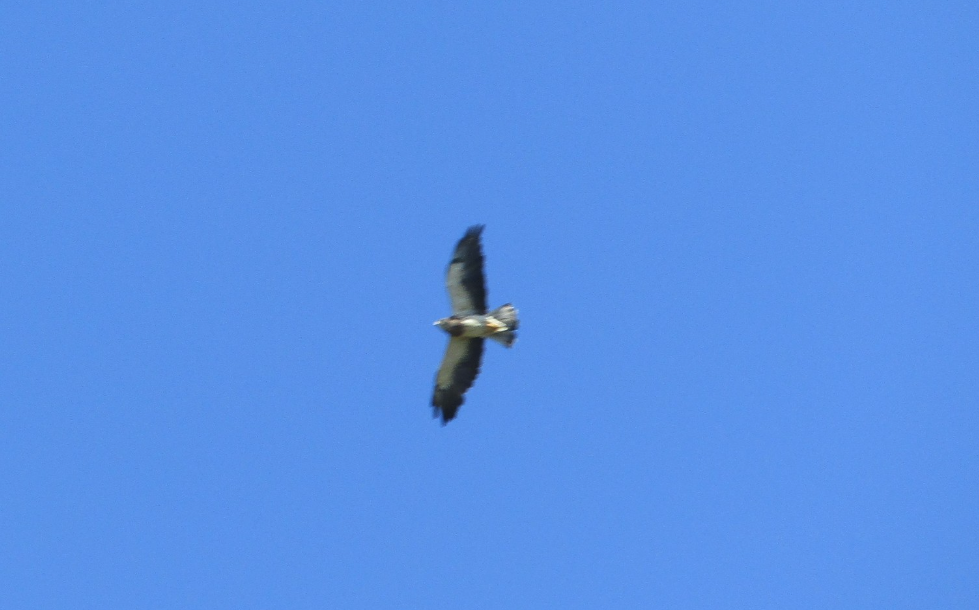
[(456, 375), (464, 276)]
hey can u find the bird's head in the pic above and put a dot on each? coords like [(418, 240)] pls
[(451, 325)]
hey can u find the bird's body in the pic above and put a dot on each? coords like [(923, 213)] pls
[(494, 325), (468, 325)]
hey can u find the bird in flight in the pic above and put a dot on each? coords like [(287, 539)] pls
[(468, 325)]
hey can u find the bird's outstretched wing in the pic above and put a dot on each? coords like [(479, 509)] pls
[(464, 277), (456, 375)]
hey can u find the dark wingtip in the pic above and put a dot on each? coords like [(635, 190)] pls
[(445, 405), (475, 230), (448, 415)]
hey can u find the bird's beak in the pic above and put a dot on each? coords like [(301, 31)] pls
[(436, 322)]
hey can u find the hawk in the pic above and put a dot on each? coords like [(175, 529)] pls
[(468, 325)]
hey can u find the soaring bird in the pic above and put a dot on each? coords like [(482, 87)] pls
[(468, 325)]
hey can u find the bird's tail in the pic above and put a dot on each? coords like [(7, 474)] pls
[(505, 314)]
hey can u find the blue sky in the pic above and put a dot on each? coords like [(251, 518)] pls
[(743, 239)]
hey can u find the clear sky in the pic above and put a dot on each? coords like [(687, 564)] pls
[(743, 239)]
